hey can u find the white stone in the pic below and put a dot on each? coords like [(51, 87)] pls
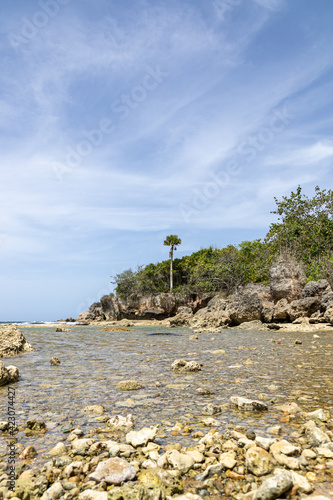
[(141, 437)]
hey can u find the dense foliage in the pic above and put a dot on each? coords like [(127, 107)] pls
[(304, 230)]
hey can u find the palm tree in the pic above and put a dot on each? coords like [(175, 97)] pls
[(171, 241)]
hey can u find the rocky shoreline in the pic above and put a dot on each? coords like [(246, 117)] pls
[(115, 462), (289, 303)]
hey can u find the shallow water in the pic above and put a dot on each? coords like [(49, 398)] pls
[(94, 361)]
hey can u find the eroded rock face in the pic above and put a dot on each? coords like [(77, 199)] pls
[(12, 341), (9, 374), (287, 280), (316, 289)]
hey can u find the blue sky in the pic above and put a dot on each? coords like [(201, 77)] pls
[(122, 122)]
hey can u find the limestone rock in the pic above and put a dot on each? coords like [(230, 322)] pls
[(259, 461), (141, 437), (118, 421), (303, 308), (317, 437), (81, 446), (182, 366), (274, 486), (129, 385), (93, 495), (58, 449), (95, 409), (180, 461), (287, 280), (12, 341), (316, 289), (9, 374), (248, 404), (284, 447), (113, 471)]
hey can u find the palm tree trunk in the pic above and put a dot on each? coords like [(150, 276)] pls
[(171, 274)]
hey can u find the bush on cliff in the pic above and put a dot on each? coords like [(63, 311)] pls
[(303, 232)]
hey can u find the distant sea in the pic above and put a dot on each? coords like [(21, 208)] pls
[(27, 322)]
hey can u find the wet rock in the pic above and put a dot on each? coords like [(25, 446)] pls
[(274, 486), (36, 426), (141, 437), (12, 341), (113, 471), (193, 337), (259, 461), (264, 443), (129, 385), (255, 325), (319, 414), (54, 361), (182, 366), (248, 404), (95, 409), (276, 430), (211, 409), (4, 426), (28, 453), (119, 422), (317, 437), (9, 374)]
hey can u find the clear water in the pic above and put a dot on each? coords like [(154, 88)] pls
[(94, 361)]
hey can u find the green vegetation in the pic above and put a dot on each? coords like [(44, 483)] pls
[(304, 231)]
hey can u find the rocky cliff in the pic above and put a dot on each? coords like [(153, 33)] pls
[(151, 306), (287, 299)]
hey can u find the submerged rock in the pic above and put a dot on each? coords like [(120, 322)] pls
[(182, 366), (54, 361), (129, 385), (248, 404), (12, 341)]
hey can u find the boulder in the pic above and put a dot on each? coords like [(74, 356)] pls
[(12, 341), (9, 374), (246, 306), (287, 280), (316, 289), (303, 307)]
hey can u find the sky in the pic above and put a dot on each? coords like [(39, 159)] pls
[(123, 122)]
